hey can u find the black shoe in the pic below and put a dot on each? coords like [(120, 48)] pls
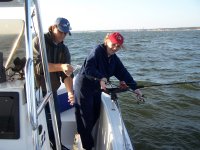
[(64, 148)]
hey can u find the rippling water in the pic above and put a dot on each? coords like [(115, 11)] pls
[(170, 117)]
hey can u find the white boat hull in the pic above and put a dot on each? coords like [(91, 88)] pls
[(24, 139), (110, 132)]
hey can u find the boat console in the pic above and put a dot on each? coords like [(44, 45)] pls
[(15, 127)]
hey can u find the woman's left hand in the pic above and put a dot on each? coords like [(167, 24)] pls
[(123, 85), (103, 82)]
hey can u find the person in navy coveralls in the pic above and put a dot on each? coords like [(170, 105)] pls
[(100, 64)]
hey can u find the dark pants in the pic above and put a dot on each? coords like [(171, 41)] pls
[(49, 122), (87, 110)]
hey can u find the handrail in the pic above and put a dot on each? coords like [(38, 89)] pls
[(29, 72), (29, 94), (33, 111), (47, 76), (43, 103)]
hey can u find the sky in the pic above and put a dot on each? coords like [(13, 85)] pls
[(120, 14)]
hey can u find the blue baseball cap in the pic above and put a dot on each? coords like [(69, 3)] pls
[(63, 25)]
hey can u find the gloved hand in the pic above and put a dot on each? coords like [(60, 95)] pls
[(139, 95)]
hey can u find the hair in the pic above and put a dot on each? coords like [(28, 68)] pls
[(106, 39), (50, 29)]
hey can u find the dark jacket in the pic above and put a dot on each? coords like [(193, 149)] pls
[(55, 54), (99, 65)]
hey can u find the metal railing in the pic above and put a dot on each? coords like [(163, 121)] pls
[(33, 110)]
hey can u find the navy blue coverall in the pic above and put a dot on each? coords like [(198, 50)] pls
[(88, 91)]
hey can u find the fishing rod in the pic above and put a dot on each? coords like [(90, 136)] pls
[(165, 84), (151, 85), (118, 89), (144, 86)]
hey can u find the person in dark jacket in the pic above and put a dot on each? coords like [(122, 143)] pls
[(59, 60), (101, 64)]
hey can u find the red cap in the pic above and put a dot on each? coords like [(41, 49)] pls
[(116, 38)]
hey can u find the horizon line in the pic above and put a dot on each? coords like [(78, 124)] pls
[(141, 29)]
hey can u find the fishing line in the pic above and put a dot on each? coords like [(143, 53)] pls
[(76, 69), (140, 99), (165, 84)]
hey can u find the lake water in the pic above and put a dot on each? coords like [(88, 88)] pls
[(170, 116)]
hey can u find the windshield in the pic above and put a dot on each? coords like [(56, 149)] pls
[(11, 40)]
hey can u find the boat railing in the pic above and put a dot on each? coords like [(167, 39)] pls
[(43, 103), (33, 110)]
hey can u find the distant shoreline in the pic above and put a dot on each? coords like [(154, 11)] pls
[(153, 29)]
